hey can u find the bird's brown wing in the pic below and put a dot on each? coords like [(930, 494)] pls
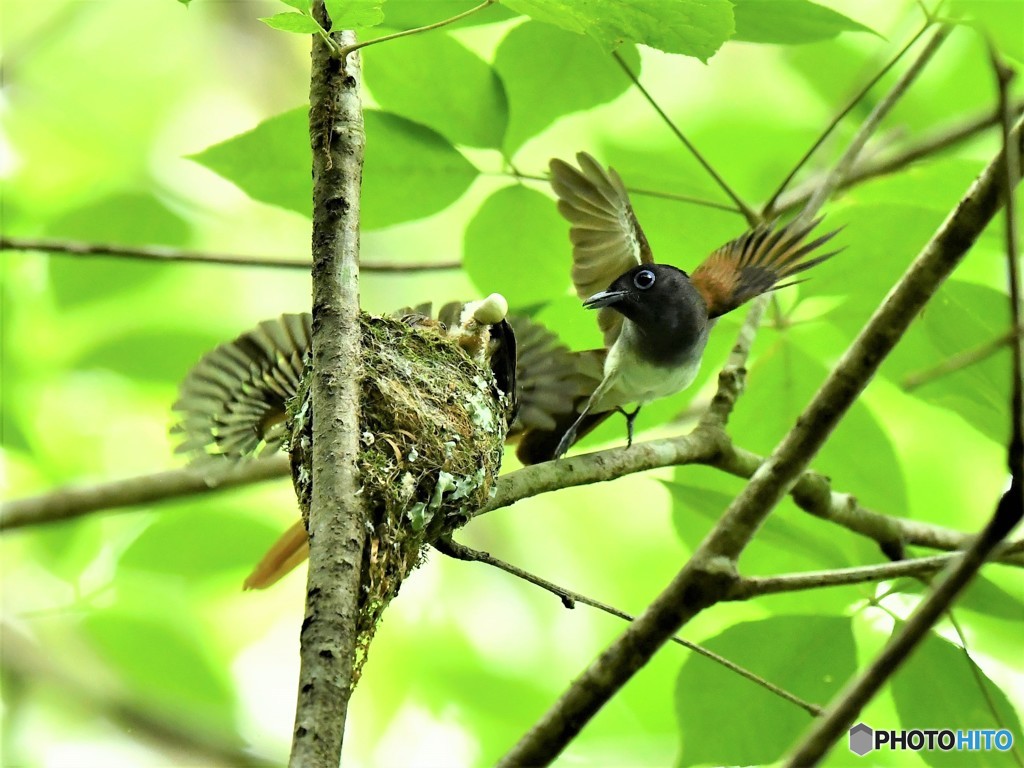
[(232, 403), (606, 237), (757, 262)]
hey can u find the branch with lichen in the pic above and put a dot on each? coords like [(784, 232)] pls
[(337, 519)]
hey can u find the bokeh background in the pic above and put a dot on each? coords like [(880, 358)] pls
[(116, 623)]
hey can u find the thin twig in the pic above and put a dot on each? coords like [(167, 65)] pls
[(76, 501), (754, 586), (846, 162), (749, 213), (345, 50), (958, 361), (569, 599), (768, 211), (919, 150), (337, 519), (163, 253)]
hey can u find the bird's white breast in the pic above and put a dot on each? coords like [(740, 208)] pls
[(638, 381)]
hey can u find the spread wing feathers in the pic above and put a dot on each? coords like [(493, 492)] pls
[(606, 238), (232, 404), (756, 263), (549, 379)]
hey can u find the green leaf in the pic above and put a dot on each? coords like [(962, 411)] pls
[(349, 14), (163, 664), (725, 719), (961, 317), (1000, 20), (780, 384), (199, 543), (691, 27), (292, 22), (270, 163), (981, 595), (474, 113), (410, 14), (778, 533), (125, 219), (549, 73), (150, 354), (410, 171), (789, 22), (303, 6), (937, 688), (512, 246)]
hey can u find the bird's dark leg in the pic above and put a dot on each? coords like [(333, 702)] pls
[(568, 438), (630, 418)]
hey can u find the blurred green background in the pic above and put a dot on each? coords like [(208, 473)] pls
[(116, 115)]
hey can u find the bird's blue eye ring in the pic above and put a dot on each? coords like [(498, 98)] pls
[(643, 279)]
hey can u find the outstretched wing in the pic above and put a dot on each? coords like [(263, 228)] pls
[(757, 262), (232, 404), (606, 238)]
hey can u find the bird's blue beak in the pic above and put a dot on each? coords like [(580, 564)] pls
[(604, 299)]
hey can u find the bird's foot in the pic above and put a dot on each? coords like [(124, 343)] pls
[(565, 443), (630, 419)]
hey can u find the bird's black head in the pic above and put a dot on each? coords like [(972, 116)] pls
[(660, 300)]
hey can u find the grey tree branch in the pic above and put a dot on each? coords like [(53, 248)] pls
[(710, 573), (569, 599), (337, 520), (163, 253), (76, 501), (958, 361)]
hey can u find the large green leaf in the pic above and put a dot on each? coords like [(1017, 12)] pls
[(515, 245), (409, 14), (725, 719), (163, 663), (199, 542), (961, 317), (858, 456), (123, 219), (937, 688), (982, 595), (150, 354), (789, 21), (549, 73), (691, 27), (270, 163), (409, 171), (1001, 20), (472, 112)]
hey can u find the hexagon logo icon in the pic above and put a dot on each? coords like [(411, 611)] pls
[(861, 739)]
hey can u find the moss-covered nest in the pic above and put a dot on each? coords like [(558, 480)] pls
[(432, 429)]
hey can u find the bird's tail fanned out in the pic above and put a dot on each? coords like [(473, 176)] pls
[(232, 404), (758, 261)]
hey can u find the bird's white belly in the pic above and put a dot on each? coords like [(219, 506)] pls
[(637, 381)]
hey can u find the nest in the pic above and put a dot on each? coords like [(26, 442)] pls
[(431, 434)]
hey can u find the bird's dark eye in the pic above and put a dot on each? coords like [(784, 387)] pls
[(643, 279)]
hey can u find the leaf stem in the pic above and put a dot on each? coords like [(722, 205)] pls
[(344, 51), (752, 216)]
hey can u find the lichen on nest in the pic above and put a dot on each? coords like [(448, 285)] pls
[(432, 427)]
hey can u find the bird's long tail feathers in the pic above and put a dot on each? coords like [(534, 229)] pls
[(286, 553)]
